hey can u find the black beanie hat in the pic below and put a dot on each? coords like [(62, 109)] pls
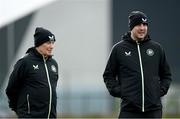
[(42, 35), (137, 17)]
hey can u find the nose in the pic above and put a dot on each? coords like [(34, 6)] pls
[(52, 45), (142, 26)]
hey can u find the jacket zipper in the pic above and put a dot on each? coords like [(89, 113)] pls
[(142, 75), (50, 89), (28, 104)]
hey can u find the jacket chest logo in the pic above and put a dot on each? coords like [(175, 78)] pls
[(35, 67), (149, 52), (127, 53), (53, 68)]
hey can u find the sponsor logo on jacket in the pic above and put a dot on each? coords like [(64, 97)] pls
[(35, 67), (127, 53)]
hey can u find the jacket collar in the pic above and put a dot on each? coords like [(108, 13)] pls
[(33, 51)]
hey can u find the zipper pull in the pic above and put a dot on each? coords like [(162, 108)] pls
[(137, 42)]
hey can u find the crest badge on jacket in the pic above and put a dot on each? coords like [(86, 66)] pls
[(150, 52), (53, 68)]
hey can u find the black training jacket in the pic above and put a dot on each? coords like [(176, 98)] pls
[(138, 73), (32, 86)]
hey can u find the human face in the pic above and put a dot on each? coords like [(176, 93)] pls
[(46, 48), (139, 32)]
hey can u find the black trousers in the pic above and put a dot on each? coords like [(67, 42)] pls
[(149, 114)]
